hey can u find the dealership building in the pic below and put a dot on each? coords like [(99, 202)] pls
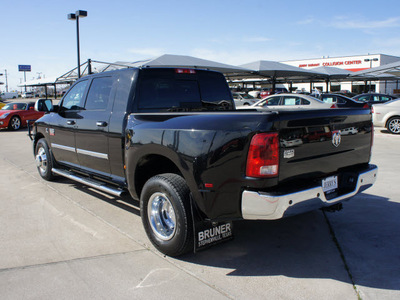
[(353, 64)]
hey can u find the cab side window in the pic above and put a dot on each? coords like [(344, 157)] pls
[(74, 99), (99, 93)]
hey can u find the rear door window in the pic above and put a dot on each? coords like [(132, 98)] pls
[(328, 99), (99, 93), (291, 101), (364, 98)]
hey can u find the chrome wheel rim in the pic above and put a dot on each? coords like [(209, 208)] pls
[(15, 123), (161, 216), (394, 126), (41, 160)]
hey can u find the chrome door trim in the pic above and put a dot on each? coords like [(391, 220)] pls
[(92, 153), (62, 147)]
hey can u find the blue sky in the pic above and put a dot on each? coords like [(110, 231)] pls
[(38, 32)]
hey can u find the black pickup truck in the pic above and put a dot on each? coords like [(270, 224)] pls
[(173, 139)]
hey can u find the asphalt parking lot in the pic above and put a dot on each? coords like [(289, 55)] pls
[(66, 241)]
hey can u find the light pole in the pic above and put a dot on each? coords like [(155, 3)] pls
[(78, 14), (370, 66)]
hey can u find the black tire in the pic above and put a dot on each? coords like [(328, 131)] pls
[(393, 125), (166, 214), (44, 160), (15, 123)]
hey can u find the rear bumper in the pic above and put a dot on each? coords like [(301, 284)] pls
[(264, 206)]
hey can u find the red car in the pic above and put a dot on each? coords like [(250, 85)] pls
[(266, 92), (15, 115)]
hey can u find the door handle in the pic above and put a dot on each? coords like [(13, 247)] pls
[(101, 124), (70, 122)]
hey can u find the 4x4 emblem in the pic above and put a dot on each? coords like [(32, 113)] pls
[(336, 138)]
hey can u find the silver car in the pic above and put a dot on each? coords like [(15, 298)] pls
[(387, 115), (292, 101), (243, 99)]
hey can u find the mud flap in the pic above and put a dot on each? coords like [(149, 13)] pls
[(207, 233)]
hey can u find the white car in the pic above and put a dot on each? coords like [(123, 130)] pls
[(27, 95), (387, 115), (255, 93), (243, 99), (291, 101)]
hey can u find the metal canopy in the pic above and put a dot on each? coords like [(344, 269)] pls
[(44, 81), (392, 69), (277, 70), (183, 61), (333, 72)]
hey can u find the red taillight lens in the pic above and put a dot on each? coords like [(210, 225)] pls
[(367, 106), (263, 156), (334, 105)]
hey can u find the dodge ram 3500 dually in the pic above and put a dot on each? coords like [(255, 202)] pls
[(173, 139)]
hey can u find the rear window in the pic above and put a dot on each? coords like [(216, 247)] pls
[(182, 90)]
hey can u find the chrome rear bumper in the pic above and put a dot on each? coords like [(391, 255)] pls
[(264, 206)]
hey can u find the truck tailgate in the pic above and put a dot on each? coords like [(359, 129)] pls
[(315, 145)]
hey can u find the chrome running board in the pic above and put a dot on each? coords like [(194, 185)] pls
[(90, 182)]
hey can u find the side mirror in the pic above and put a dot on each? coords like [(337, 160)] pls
[(45, 105)]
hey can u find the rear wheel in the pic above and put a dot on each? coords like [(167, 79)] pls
[(393, 125), (15, 123), (44, 160), (166, 214)]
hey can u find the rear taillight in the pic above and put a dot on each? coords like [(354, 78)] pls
[(263, 156), (367, 106), (334, 105)]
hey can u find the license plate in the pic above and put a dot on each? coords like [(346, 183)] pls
[(330, 184)]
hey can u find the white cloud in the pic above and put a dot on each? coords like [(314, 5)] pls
[(306, 21), (350, 23)]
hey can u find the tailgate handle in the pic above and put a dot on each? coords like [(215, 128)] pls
[(101, 124), (70, 122)]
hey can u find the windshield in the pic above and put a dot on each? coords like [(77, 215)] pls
[(14, 106)]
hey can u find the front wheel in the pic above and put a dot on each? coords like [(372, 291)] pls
[(15, 123), (393, 125), (44, 160), (166, 214)]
